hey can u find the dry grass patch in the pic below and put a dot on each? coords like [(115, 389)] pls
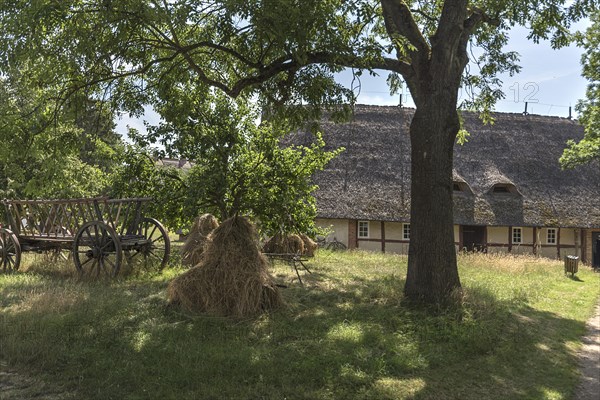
[(517, 263)]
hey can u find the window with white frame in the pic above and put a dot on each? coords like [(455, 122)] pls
[(517, 235), (363, 229), (406, 231), (551, 236)]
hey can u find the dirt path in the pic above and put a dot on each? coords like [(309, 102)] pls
[(589, 361)]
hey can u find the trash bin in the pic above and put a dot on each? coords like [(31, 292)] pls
[(571, 264)]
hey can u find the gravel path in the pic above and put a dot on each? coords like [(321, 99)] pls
[(589, 361)]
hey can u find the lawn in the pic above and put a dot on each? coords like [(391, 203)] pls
[(347, 334)]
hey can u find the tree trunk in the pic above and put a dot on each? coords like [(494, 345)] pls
[(432, 271)]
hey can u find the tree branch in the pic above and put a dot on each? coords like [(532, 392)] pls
[(399, 21), (423, 14), (477, 16)]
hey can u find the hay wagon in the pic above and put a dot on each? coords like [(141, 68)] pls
[(100, 234)]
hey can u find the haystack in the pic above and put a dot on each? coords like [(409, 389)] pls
[(231, 279), (284, 244), (193, 248), (310, 246)]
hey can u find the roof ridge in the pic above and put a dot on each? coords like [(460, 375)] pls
[(499, 113)]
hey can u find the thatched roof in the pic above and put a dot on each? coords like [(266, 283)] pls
[(371, 179), (170, 162)]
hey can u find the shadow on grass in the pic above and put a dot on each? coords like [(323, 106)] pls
[(347, 341), (575, 278)]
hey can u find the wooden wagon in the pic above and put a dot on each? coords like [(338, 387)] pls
[(100, 233)]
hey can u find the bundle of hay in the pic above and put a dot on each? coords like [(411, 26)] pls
[(310, 246), (284, 244), (193, 248), (231, 279)]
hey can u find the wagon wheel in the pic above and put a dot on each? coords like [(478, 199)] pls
[(97, 250), (153, 253), (10, 251)]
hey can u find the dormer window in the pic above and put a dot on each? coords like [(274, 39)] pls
[(460, 187), (504, 188)]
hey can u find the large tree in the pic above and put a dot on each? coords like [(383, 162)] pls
[(285, 52), (588, 149)]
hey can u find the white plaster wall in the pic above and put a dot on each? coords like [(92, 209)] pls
[(374, 229), (548, 252), (397, 248), (497, 234), (339, 228), (567, 236), (527, 236), (522, 249), (371, 246), (393, 230), (497, 250), (568, 252)]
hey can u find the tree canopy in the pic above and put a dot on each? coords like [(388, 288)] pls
[(588, 149), (45, 155)]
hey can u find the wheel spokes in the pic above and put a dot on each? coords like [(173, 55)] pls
[(10, 251), (101, 247)]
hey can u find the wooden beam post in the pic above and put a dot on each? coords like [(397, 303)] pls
[(382, 236), (583, 246), (510, 239), (558, 243), (352, 234), (534, 240), (485, 239)]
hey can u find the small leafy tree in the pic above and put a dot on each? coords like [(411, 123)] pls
[(239, 165), (588, 149)]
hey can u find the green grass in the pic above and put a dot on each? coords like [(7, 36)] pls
[(348, 334)]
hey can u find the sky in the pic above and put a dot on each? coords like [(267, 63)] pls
[(550, 81)]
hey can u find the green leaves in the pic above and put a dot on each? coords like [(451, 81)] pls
[(53, 153), (588, 149), (239, 165), (140, 175)]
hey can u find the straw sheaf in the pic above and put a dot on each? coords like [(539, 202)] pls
[(284, 244), (310, 246), (193, 248), (232, 277), (371, 178)]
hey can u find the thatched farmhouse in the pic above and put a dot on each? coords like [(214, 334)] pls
[(510, 194)]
